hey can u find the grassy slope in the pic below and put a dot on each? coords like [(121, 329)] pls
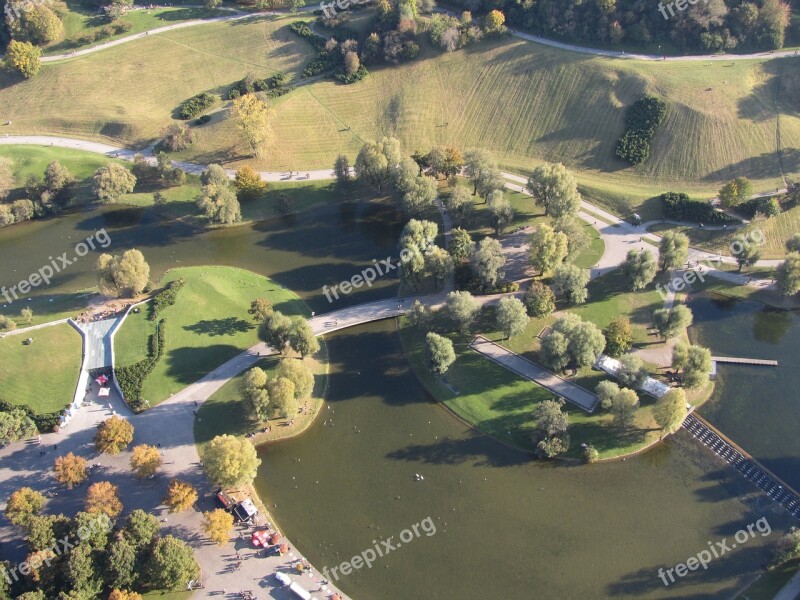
[(42, 375), (522, 101), (208, 324)]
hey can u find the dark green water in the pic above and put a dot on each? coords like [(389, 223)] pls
[(302, 252), (506, 527), (759, 407)]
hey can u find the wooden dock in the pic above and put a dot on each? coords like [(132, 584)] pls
[(744, 361)]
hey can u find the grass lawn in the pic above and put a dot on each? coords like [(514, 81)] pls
[(80, 19), (43, 374), (130, 341), (161, 595), (557, 106), (776, 231), (223, 413), (47, 307), (207, 325), (770, 583)]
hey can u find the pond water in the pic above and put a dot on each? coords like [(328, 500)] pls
[(506, 526), (758, 407)]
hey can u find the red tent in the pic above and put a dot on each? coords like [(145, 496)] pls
[(260, 538), (102, 380)]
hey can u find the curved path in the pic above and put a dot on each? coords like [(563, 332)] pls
[(614, 54)]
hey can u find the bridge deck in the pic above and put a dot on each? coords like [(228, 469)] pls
[(744, 361)]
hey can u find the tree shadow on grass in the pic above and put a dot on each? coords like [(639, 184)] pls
[(216, 327)]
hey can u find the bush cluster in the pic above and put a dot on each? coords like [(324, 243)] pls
[(678, 206), (45, 422), (352, 78), (195, 105), (641, 120), (165, 298), (116, 27)]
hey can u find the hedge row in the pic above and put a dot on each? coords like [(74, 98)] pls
[(678, 206), (324, 60), (357, 76), (165, 298), (131, 378), (195, 105), (302, 29), (641, 121), (45, 422)]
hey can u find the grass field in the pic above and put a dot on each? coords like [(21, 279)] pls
[(207, 325), (768, 585), (80, 19), (41, 375), (555, 105)]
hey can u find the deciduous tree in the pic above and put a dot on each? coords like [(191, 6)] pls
[(16, 425), (112, 181), (670, 410), (623, 408), (171, 563), (260, 308), (439, 353), (71, 469), (462, 309), (123, 275), (102, 497), (550, 435), (145, 460), (554, 188), (24, 58), (619, 336), (23, 504), (511, 316), (673, 250), (640, 268), (500, 210), (231, 461), (461, 245), (548, 248), (670, 322), (180, 496), (540, 301), (113, 435), (218, 525), (253, 120), (488, 261), (572, 342), (302, 338), (248, 183), (787, 275), (570, 281)]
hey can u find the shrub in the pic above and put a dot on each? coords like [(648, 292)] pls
[(45, 422), (195, 105), (165, 298), (678, 206), (352, 78), (641, 120), (202, 120)]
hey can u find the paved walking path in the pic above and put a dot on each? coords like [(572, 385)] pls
[(572, 392), (32, 328)]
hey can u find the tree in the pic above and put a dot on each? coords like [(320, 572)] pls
[(275, 330), (619, 336), (299, 374), (16, 425), (680, 355), (81, 572), (302, 338), (632, 372), (24, 58), (420, 197), (6, 176), (438, 263), (572, 341), (570, 280), (488, 262), (121, 563), (461, 245), (122, 276), (640, 268), (575, 230), (231, 461), (57, 177), (351, 63), (670, 410), (590, 454), (500, 210), (341, 168), (787, 275), (793, 243), (670, 322), (606, 391), (511, 316), (420, 315), (27, 315), (252, 118), (175, 138), (548, 248), (218, 525), (112, 181), (71, 470), (623, 409), (673, 250), (554, 187), (171, 563), (735, 192), (439, 353), (102, 497), (23, 504), (145, 460), (540, 301), (37, 24), (788, 547), (550, 433), (123, 594), (481, 169), (219, 203), (248, 184), (180, 496), (462, 309), (748, 253), (460, 207), (376, 161), (282, 396), (260, 308), (697, 367), (256, 403), (92, 529), (416, 239), (140, 528), (113, 435)]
